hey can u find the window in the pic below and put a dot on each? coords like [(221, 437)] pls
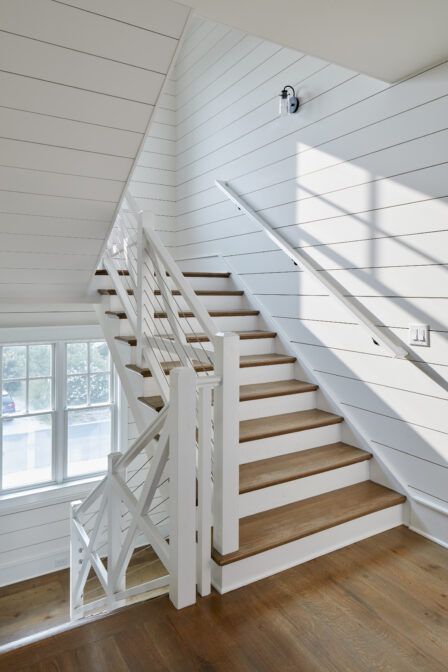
[(88, 395), (57, 412)]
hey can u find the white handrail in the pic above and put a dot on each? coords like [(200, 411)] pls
[(361, 314)]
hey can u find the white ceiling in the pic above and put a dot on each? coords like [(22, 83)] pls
[(78, 83), (387, 39)]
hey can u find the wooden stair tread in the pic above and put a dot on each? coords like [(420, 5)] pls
[(273, 528), (277, 388), (207, 292), (204, 274), (102, 271), (113, 292), (265, 360), (240, 312), (146, 373), (246, 361), (284, 468), (119, 314), (155, 402), (130, 340), (244, 336), (286, 423)]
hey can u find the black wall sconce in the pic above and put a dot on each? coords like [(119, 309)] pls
[(289, 103)]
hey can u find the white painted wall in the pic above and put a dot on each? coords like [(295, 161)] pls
[(359, 177)]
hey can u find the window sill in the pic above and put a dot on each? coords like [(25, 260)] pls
[(49, 494)]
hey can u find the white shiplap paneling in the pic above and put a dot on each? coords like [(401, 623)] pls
[(358, 178), (79, 83)]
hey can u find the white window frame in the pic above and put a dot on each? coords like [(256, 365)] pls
[(58, 337)]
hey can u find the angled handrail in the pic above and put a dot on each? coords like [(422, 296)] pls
[(361, 314)]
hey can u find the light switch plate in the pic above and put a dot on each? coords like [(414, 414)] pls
[(419, 334)]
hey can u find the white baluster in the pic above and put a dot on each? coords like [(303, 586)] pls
[(204, 490)]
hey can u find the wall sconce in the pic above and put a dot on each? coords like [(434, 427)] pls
[(289, 104)]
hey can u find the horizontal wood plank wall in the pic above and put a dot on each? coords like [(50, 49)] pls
[(79, 83), (359, 179)]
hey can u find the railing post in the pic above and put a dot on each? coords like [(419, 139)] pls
[(182, 472), (115, 534), (139, 289), (226, 452), (204, 490), (76, 560)]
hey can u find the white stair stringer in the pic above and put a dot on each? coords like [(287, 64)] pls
[(242, 572)]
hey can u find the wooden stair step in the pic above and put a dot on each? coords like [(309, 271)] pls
[(269, 359), (130, 340), (119, 314), (275, 527), (244, 336), (207, 292), (146, 373), (277, 388), (113, 292), (246, 361), (204, 274), (286, 423), (242, 312), (284, 468), (155, 402), (102, 271)]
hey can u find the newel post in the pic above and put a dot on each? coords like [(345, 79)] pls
[(182, 472), (226, 450)]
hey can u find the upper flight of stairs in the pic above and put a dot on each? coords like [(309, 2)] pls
[(303, 490)]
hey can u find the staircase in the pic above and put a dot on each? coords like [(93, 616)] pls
[(302, 491)]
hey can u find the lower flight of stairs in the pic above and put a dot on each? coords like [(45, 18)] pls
[(303, 491)]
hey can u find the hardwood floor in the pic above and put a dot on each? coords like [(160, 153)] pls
[(377, 606), (36, 605)]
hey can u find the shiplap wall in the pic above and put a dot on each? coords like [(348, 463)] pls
[(359, 178), (79, 80)]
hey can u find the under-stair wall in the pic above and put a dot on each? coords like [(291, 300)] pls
[(359, 178)]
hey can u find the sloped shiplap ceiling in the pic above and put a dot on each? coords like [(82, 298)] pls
[(386, 39), (78, 85)]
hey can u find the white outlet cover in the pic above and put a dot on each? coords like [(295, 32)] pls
[(419, 334)]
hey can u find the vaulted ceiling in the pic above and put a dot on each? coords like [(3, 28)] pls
[(79, 80)]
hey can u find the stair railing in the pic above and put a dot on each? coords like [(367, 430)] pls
[(362, 316), (130, 511)]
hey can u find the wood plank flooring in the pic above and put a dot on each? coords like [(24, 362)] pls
[(380, 605), (32, 606)]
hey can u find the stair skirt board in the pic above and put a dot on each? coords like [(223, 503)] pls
[(296, 490), (242, 572), (259, 449), (288, 403)]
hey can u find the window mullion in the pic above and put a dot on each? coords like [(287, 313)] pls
[(59, 433)]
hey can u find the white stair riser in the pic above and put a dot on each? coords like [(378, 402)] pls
[(278, 559), (302, 488), (288, 403), (125, 327), (257, 346), (210, 302), (266, 374), (115, 302), (150, 387), (251, 451), (248, 346), (207, 284), (127, 353), (190, 324)]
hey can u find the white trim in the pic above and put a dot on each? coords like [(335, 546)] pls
[(53, 334), (56, 493)]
